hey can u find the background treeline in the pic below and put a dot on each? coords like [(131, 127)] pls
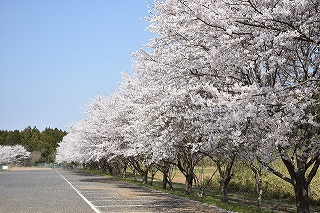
[(41, 144)]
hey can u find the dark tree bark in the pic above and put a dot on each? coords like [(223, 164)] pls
[(299, 178), (302, 195), (187, 171), (224, 190), (189, 182), (140, 168), (166, 179), (225, 176), (165, 167), (186, 161)]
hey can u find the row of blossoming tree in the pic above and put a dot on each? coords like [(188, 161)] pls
[(229, 80)]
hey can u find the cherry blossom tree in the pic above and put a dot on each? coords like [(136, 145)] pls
[(271, 45), (13, 154)]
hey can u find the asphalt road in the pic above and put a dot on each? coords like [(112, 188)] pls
[(70, 191), (38, 191)]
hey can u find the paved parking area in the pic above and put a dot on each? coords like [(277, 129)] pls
[(76, 191), (38, 191)]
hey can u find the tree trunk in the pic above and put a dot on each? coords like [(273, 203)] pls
[(302, 195), (124, 172), (145, 177), (224, 190), (152, 178), (170, 184), (110, 170), (299, 181), (298, 178), (164, 180), (225, 177), (189, 181), (259, 190), (134, 174), (187, 171)]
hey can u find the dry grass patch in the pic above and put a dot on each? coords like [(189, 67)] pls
[(21, 168)]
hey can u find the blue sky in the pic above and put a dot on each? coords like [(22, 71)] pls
[(56, 55)]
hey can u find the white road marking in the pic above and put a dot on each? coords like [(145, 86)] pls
[(83, 197)]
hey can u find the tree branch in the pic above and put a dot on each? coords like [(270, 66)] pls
[(275, 172), (312, 160), (314, 170), (254, 7)]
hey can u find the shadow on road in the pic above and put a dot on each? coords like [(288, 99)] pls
[(134, 198)]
